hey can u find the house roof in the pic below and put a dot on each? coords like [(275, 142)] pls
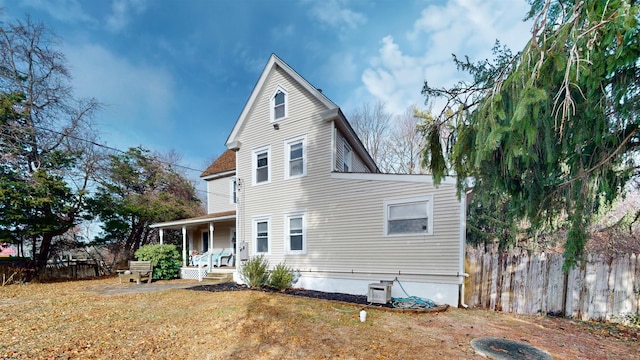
[(224, 163), (7, 250), (204, 219)]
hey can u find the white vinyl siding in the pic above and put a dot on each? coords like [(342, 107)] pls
[(261, 164), (282, 194), (357, 164), (356, 240), (295, 157), (344, 218), (219, 195)]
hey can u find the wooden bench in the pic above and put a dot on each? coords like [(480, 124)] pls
[(138, 270)]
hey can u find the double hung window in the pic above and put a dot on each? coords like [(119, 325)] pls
[(295, 233), (261, 165), (295, 157), (262, 235)]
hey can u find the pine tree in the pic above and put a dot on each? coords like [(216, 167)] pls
[(554, 127)]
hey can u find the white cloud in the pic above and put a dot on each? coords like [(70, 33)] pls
[(122, 11), (396, 78), (63, 10), (132, 93), (462, 27), (335, 13)]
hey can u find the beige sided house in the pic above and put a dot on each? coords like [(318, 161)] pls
[(298, 186)]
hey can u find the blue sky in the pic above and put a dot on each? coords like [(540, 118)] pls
[(176, 74)]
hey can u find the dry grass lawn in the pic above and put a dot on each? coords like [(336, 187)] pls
[(82, 320)]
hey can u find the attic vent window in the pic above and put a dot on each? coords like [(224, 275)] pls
[(279, 104)]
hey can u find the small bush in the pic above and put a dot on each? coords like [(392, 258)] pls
[(281, 277), (631, 319), (255, 272), (164, 258)]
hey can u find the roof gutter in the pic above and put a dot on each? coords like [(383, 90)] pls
[(219, 175), (171, 224)]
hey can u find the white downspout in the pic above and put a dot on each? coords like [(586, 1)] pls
[(463, 244), (184, 246), (161, 233), (333, 146)]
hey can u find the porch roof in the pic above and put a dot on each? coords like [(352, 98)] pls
[(198, 220)]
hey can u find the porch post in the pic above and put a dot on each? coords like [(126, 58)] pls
[(161, 233), (209, 260), (210, 235), (184, 246)]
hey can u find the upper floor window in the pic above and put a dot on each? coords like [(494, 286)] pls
[(346, 158), (261, 161), (409, 216), (295, 157), (279, 104)]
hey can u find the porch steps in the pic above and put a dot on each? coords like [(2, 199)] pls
[(217, 278)]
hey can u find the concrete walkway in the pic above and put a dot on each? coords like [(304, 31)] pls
[(132, 288)]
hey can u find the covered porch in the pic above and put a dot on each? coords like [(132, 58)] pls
[(208, 243)]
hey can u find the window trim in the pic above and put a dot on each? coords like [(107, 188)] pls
[(254, 234), (254, 164), (233, 191), (426, 198), (287, 158), (347, 161), (287, 232), (272, 104)]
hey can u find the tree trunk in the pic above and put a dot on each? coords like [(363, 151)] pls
[(43, 255)]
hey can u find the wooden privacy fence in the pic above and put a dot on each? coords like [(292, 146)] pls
[(524, 283), (75, 269)]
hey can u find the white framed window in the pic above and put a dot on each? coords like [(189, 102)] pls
[(295, 157), (409, 217), (261, 164), (262, 235), (233, 191), (279, 104), (346, 158), (295, 233)]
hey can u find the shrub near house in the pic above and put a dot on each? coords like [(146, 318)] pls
[(164, 258)]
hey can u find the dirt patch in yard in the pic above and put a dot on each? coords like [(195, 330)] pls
[(88, 320)]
